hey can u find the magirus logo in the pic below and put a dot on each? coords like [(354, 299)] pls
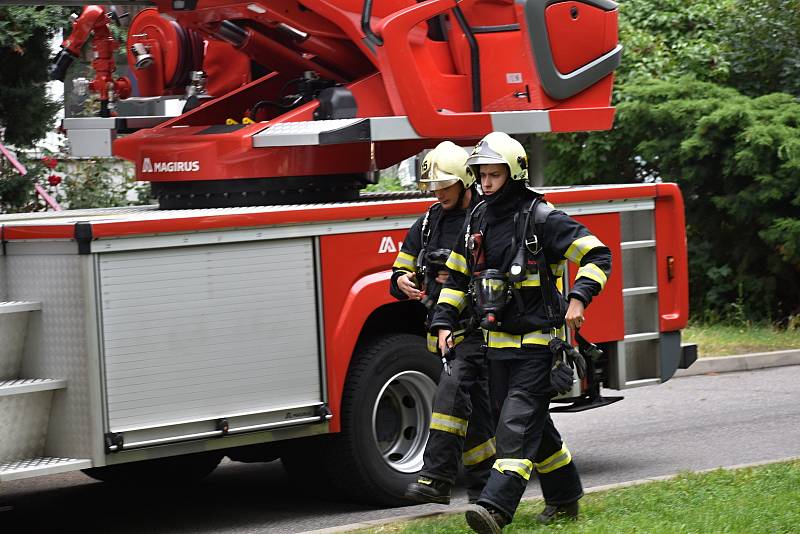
[(388, 246), (170, 166)]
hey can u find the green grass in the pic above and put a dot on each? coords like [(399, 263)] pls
[(722, 340), (750, 501)]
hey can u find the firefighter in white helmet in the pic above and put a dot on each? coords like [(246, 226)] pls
[(462, 396), (510, 262)]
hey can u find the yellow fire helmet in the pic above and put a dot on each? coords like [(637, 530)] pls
[(444, 166), (499, 148)]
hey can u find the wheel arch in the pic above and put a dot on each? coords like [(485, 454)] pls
[(368, 312)]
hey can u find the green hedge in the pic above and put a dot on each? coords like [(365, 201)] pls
[(737, 161)]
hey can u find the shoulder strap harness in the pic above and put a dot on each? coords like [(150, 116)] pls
[(534, 226), (430, 222)]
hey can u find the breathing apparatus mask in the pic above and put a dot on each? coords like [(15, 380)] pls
[(490, 295)]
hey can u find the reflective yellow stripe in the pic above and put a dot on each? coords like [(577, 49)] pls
[(553, 462), (458, 336), (532, 280), (592, 271), (503, 340), (478, 454), (523, 468), (453, 297), (457, 262), (536, 338), (578, 249), (448, 423), (433, 341), (405, 261), (450, 418)]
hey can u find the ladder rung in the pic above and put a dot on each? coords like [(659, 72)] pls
[(645, 243), (643, 336), (642, 290)]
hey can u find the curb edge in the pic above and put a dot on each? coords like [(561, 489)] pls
[(741, 362)]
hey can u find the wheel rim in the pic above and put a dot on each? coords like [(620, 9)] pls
[(401, 417)]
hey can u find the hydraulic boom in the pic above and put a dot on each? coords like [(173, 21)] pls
[(294, 102)]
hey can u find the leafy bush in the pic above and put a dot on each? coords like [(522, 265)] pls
[(672, 38), (737, 161), (102, 182), (761, 41), (74, 184), (26, 112), (17, 192)]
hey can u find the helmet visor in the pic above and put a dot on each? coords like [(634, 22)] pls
[(485, 159), (436, 179), (484, 154), (435, 185)]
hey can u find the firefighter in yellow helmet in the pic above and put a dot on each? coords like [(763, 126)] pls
[(462, 396), (510, 262)]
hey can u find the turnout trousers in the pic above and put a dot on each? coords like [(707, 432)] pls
[(527, 440), (462, 426)]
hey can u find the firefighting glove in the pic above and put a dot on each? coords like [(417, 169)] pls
[(575, 360), (571, 357), (560, 376), (560, 373)]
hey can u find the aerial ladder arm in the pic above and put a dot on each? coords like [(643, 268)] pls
[(346, 87)]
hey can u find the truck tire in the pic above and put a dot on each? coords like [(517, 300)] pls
[(170, 471), (386, 413)]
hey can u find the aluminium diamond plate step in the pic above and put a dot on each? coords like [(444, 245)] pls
[(42, 465), (25, 406), (14, 317), (30, 385), (19, 306)]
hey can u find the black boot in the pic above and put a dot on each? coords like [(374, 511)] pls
[(553, 512), (428, 490), (486, 520)]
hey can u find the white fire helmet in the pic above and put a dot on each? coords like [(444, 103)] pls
[(499, 148), (444, 166)]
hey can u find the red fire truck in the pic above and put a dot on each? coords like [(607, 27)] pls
[(248, 315)]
